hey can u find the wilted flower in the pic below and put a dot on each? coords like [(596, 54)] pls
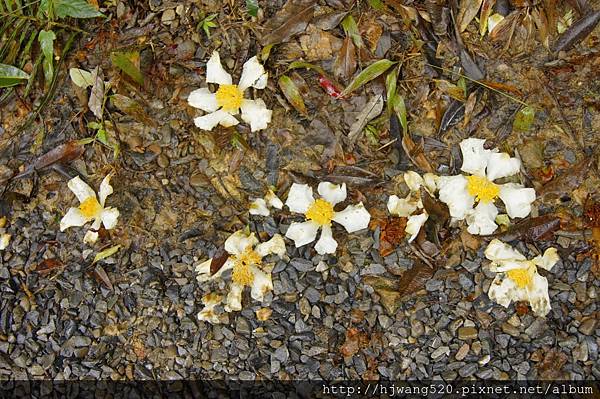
[(461, 192), (406, 207), (90, 208), (319, 214), (4, 241), (229, 98), (517, 278), (260, 206), (245, 262)]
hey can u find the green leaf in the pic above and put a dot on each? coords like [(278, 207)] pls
[(292, 93), (101, 136), (252, 7), (46, 39), (377, 4), (369, 73), (400, 109), (390, 88), (307, 65), (11, 76), (123, 61), (106, 253), (75, 9), (351, 29), (81, 77), (524, 119)]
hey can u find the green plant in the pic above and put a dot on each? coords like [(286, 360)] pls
[(207, 23)]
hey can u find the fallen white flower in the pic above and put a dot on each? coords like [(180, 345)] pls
[(4, 241), (461, 192), (319, 214), (245, 262), (517, 278), (229, 98), (260, 206), (90, 208)]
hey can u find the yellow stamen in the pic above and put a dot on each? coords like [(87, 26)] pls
[(320, 212), (522, 277), (90, 207), (229, 97), (484, 190), (242, 274)]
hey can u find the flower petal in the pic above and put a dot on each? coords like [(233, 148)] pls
[(259, 207), (402, 207), (431, 181), (105, 189), (203, 99), (414, 224), (332, 193), (481, 219), (4, 241), (502, 290), (413, 180), (517, 199), (215, 73), (255, 113), (499, 251), (90, 237), (475, 157), (500, 165), (261, 284), (353, 218), (203, 270), (276, 245), (209, 121), (81, 190), (326, 243), (548, 260), (239, 241), (208, 314), (273, 200), (453, 192), (302, 233), (538, 296), (253, 74), (73, 217), (109, 218), (300, 198), (234, 298)]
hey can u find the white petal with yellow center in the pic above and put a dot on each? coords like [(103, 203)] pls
[(253, 75), (300, 198), (273, 200), (203, 99), (538, 295), (209, 121), (215, 73), (481, 220), (499, 251), (105, 189), (403, 207), (353, 218), (302, 233), (502, 165), (332, 193), (413, 180), (261, 284), (504, 290), (4, 241), (453, 192), (414, 224), (239, 241), (81, 190), (259, 207), (73, 217), (109, 218), (548, 260), (326, 243), (276, 245), (475, 157), (233, 302), (255, 113), (517, 199), (90, 237), (207, 313)]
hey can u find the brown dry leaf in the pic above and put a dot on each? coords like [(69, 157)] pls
[(47, 265), (414, 279), (566, 181), (263, 314), (550, 368), (345, 62), (319, 45), (416, 154), (505, 87), (102, 277), (355, 339), (486, 11), (531, 229), (371, 30), (469, 241), (63, 153), (392, 234), (387, 289), (292, 19), (218, 260), (468, 10)]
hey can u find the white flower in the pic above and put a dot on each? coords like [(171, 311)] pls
[(229, 98), (90, 208), (517, 278), (461, 192), (405, 207), (245, 262), (4, 241), (319, 214), (260, 206)]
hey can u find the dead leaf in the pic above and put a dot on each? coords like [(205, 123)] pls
[(345, 62), (96, 100), (370, 111), (550, 368), (468, 11), (414, 279), (102, 277), (531, 229), (416, 154), (47, 265), (392, 234), (292, 19), (567, 181), (63, 153), (218, 260), (355, 339), (133, 109)]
